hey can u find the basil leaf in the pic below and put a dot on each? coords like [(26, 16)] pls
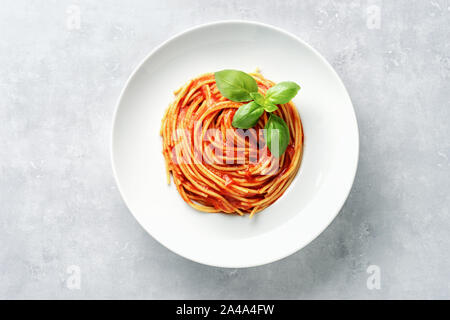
[(247, 115), (270, 107), (258, 97), (277, 135), (235, 85), (283, 92)]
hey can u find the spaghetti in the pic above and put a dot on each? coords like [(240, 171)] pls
[(217, 168)]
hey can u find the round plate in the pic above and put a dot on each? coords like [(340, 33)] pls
[(309, 204)]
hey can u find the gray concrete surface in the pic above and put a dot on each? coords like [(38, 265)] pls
[(60, 207)]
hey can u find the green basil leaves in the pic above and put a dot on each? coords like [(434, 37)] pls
[(235, 85), (258, 97), (277, 135), (239, 86), (282, 93), (247, 115)]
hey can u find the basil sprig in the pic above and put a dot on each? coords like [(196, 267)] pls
[(239, 86)]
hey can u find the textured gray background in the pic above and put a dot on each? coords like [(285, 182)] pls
[(60, 206)]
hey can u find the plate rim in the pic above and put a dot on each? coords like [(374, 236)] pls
[(265, 260)]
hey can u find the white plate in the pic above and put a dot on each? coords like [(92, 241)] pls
[(309, 204)]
